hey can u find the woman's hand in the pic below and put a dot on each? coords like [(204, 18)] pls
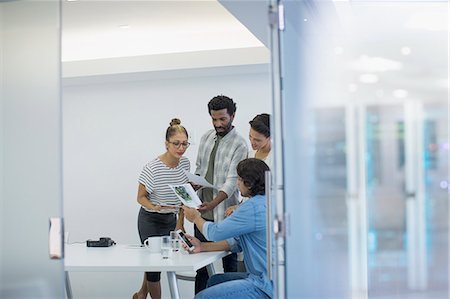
[(156, 208), (180, 227), (230, 210)]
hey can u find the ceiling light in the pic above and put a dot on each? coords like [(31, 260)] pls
[(400, 93), (405, 50), (124, 26), (368, 78), (375, 64)]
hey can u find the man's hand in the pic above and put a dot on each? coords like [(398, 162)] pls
[(190, 213), (206, 206), (196, 242), (194, 186)]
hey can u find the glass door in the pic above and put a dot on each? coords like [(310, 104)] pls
[(30, 163), (364, 124), (387, 201)]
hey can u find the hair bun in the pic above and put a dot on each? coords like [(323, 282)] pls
[(175, 121)]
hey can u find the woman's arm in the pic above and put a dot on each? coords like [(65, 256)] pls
[(143, 200), (180, 220)]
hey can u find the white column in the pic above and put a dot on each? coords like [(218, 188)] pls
[(415, 196), (356, 199)]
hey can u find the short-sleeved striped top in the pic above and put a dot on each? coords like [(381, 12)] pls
[(157, 176)]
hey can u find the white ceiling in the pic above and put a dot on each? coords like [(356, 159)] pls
[(366, 41), (111, 29)]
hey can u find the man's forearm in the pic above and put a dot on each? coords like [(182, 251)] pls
[(199, 221), (221, 196), (215, 246)]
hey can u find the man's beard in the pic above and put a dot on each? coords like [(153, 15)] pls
[(226, 129)]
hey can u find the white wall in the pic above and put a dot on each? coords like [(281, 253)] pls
[(111, 129)]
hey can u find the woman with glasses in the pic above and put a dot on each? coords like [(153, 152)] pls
[(159, 204)]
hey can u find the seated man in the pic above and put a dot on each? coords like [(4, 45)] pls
[(244, 230)]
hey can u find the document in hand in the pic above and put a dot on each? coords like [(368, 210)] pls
[(198, 180), (187, 195)]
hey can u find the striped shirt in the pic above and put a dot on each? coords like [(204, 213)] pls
[(157, 176), (232, 149)]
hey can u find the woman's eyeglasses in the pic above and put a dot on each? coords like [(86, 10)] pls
[(179, 144)]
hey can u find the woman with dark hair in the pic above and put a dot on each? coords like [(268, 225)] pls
[(261, 143), (159, 204), (244, 230), (259, 136)]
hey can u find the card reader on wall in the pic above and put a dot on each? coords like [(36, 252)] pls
[(102, 242)]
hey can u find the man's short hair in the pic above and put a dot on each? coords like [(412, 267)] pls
[(222, 102)]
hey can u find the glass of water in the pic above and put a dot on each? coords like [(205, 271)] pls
[(166, 247), (174, 241)]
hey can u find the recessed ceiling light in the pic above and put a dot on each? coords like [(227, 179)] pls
[(124, 26), (400, 93), (405, 50), (368, 78), (305, 20)]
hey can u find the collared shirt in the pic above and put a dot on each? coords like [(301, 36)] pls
[(245, 230), (232, 149)]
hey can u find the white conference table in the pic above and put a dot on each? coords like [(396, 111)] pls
[(132, 258)]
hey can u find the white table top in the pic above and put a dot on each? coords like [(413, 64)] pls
[(130, 258)]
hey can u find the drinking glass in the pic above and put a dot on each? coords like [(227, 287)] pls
[(175, 242), (166, 247)]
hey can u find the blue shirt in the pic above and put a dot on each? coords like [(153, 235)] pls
[(245, 230)]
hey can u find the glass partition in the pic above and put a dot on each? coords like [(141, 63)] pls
[(365, 131), (30, 138)]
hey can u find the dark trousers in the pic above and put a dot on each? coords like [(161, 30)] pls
[(229, 265)]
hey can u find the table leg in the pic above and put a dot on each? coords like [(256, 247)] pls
[(210, 269), (173, 285), (68, 286)]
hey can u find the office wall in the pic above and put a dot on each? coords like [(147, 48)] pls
[(111, 129)]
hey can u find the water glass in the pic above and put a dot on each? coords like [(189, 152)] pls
[(166, 247), (175, 242)]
